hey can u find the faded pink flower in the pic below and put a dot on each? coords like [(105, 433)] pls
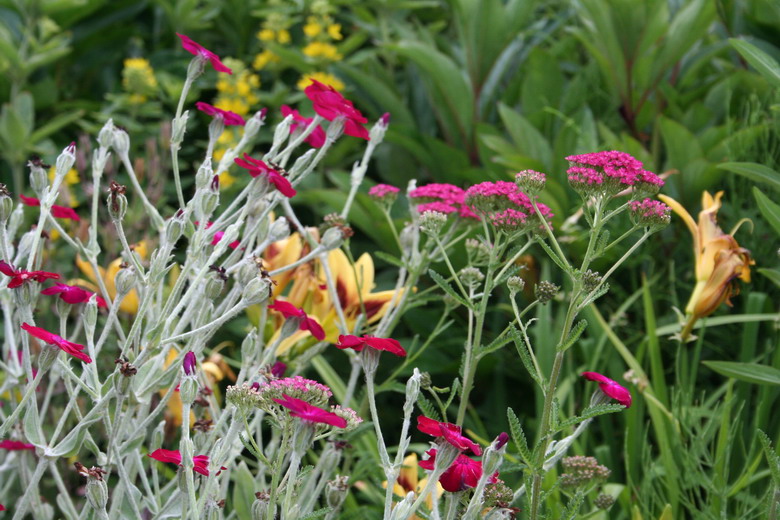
[(290, 311), (310, 413), (74, 349), (230, 118), (72, 294), (359, 343), (196, 49), (450, 432), (56, 211), (315, 139), (330, 104), (611, 388)]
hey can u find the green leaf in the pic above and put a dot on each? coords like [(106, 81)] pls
[(525, 357), (748, 372), (55, 124), (769, 209), (761, 61), (427, 407), (318, 513), (755, 172), (574, 335), (771, 456), (441, 282), (71, 444), (390, 259), (772, 274), (243, 492), (591, 412), (518, 436)]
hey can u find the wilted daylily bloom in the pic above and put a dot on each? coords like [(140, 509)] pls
[(72, 294), (20, 276), (718, 257), (450, 432), (56, 211), (310, 413), (257, 167), (201, 462), (328, 103), (196, 49), (130, 302), (74, 349), (611, 388), (290, 311), (359, 343), (229, 118)]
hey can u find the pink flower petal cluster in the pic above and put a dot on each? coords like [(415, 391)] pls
[(218, 237), (315, 139), (381, 191), (464, 472), (288, 310), (196, 49), (310, 413), (257, 167), (200, 462), (510, 220), (451, 196), (613, 167), (73, 294), (297, 385), (230, 118), (20, 276), (330, 104), (437, 207), (491, 197), (611, 388), (56, 211), (359, 343), (451, 433), (74, 349), (649, 212), (16, 445)]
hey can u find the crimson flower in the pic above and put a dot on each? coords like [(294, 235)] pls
[(289, 310), (310, 413), (329, 104), (317, 138), (15, 445), (201, 462), (464, 473), (257, 167), (74, 349), (2, 507), (278, 369), (72, 294), (20, 276), (230, 118), (196, 49), (56, 211), (359, 343), (190, 363), (218, 236), (611, 388), (450, 432)]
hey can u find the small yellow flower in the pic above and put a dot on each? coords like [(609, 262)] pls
[(322, 77), (334, 31), (283, 36), (266, 35), (226, 180), (71, 178), (264, 58), (138, 79), (312, 27), (322, 50), (718, 257)]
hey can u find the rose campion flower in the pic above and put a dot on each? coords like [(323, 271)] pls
[(201, 462), (20, 276), (450, 432), (611, 388), (196, 49), (16, 446), (229, 118), (56, 211), (190, 363), (464, 473), (290, 311), (329, 104), (74, 349), (359, 343), (310, 413), (315, 139), (72, 294), (257, 167)]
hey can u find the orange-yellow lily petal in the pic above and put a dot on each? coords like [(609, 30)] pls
[(130, 302)]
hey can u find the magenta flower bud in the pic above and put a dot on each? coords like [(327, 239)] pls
[(278, 369), (215, 184), (385, 118), (501, 440), (255, 386), (190, 363)]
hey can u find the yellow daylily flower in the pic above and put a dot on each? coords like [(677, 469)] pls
[(130, 302), (408, 481), (718, 258)]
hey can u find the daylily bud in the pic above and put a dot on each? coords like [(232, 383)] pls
[(66, 159), (106, 135), (256, 291), (6, 204), (120, 142)]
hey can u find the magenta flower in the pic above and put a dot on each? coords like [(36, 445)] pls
[(196, 49), (437, 207), (74, 349), (20, 276), (218, 236), (56, 211), (201, 462), (257, 167), (359, 343), (328, 103), (15, 446), (288, 310), (230, 118), (190, 363), (501, 440), (315, 139), (381, 191), (72, 294), (278, 369), (310, 413), (464, 473), (650, 212), (2, 507), (611, 388), (618, 169), (450, 432)]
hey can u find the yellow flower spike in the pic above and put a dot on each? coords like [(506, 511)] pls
[(266, 35), (312, 28), (334, 31), (718, 259), (283, 36)]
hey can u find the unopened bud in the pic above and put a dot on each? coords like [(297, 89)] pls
[(215, 284), (256, 291), (471, 276), (188, 390), (248, 345), (254, 123), (97, 493), (377, 133), (117, 201), (332, 238), (336, 491), (90, 314), (403, 509), (178, 129), (121, 142), (494, 454), (432, 222), (515, 284), (604, 501), (196, 67), (47, 357), (204, 175), (6, 204), (106, 135), (590, 280), (545, 291), (39, 177), (216, 127), (125, 281), (282, 130), (412, 391), (189, 363), (279, 230), (66, 159), (174, 227), (530, 181), (335, 129), (260, 506), (478, 252)]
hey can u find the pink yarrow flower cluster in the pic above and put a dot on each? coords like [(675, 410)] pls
[(72, 294), (383, 191), (56, 211), (297, 386), (498, 196), (198, 50), (74, 349), (21, 276), (450, 199), (290, 311), (510, 220), (228, 117), (650, 212), (315, 139), (464, 472), (613, 169), (257, 167), (330, 104), (611, 388)]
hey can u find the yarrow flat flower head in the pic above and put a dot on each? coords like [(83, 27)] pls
[(198, 50), (530, 181), (384, 193), (610, 172), (650, 213), (257, 167), (200, 462), (330, 104), (229, 118), (349, 415), (436, 207), (74, 349), (315, 139), (610, 388), (290, 311), (72, 294), (464, 472), (449, 432), (310, 413), (359, 343), (56, 211), (20, 276), (298, 387), (510, 221)]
